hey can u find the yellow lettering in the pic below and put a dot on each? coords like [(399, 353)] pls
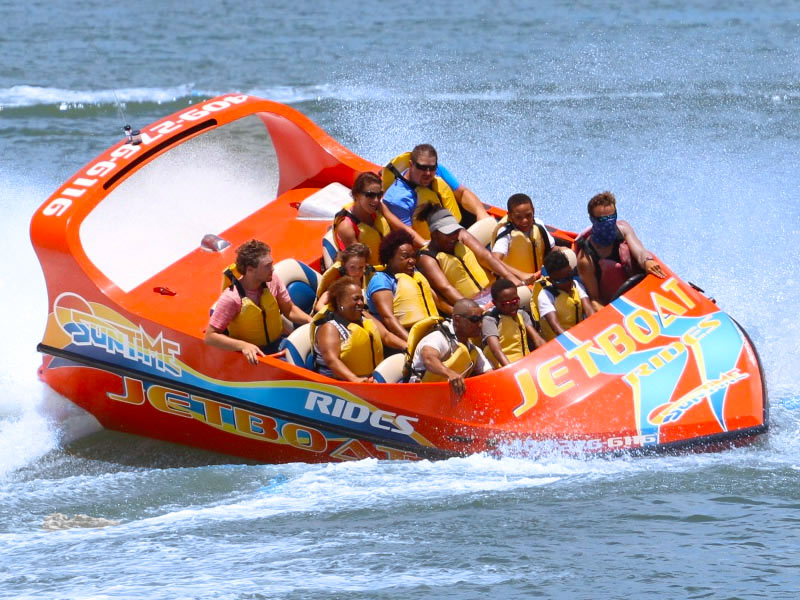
[(305, 438), (671, 352), (528, 390), (666, 308), (169, 401), (583, 354), (632, 378), (548, 372), (133, 392), (642, 334), (616, 343), (255, 426), (671, 285)]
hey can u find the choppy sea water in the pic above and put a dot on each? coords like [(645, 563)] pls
[(689, 112)]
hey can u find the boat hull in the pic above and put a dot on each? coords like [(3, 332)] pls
[(661, 367)]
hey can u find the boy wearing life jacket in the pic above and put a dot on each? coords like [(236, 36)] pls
[(563, 301), (455, 263), (413, 179), (523, 241), (507, 331), (247, 316), (610, 252), (447, 354)]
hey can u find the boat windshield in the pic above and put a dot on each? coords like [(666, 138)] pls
[(162, 210)]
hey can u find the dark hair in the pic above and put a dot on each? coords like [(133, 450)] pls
[(392, 242), (500, 285), (555, 261), (517, 199), (421, 149), (338, 288), (354, 249), (425, 211), (602, 199), (250, 254), (363, 180)]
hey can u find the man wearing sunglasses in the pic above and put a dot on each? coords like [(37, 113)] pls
[(447, 354), (425, 173), (563, 301), (610, 252)]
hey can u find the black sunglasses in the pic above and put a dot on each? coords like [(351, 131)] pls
[(562, 281), (430, 168), (471, 318), (373, 194)]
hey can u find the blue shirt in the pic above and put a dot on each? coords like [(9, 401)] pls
[(380, 281), (449, 178), (401, 199)]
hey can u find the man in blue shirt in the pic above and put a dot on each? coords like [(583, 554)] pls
[(401, 198)]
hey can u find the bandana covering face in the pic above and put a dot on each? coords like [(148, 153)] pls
[(604, 229)]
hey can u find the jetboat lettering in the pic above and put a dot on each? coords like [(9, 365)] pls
[(615, 345), (358, 413)]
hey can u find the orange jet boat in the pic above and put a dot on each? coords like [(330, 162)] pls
[(133, 247)]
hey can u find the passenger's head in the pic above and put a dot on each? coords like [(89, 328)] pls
[(521, 211), (354, 260), (367, 192), (559, 271), (602, 204), (397, 252), (423, 164), (603, 215), (347, 298), (444, 228), (467, 317), (256, 256), (505, 296)]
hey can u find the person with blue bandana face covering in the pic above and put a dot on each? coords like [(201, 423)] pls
[(610, 252)]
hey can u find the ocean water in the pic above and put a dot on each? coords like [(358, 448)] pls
[(688, 111)]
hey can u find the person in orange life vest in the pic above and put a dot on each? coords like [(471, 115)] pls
[(610, 252), (506, 327), (400, 200), (454, 261), (364, 221), (257, 296), (563, 302), (523, 241)]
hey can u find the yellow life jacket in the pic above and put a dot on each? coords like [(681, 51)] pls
[(361, 350), (413, 299), (439, 193), (569, 309), (369, 235), (335, 272), (462, 359), (526, 252), (462, 270), (513, 337), (259, 324)]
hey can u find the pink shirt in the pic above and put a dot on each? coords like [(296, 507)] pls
[(229, 304)]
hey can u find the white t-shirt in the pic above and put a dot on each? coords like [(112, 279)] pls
[(501, 245), (546, 301), (437, 340)]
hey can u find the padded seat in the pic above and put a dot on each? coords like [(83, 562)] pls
[(328, 249), (483, 230), (301, 281), (298, 347), (390, 370)]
